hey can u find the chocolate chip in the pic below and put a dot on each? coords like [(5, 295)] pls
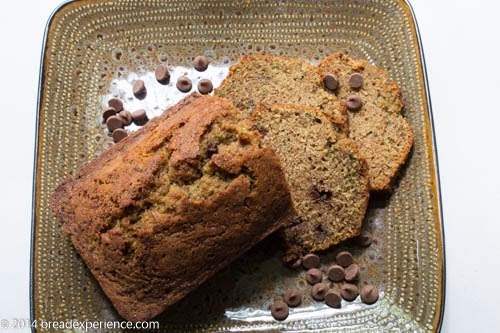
[(184, 84), (162, 74), (205, 86), (200, 63), (356, 80), (293, 298), (352, 273), (354, 102), (119, 134), (344, 258), (116, 104), (126, 117), (336, 273), (320, 196), (212, 148), (364, 239), (310, 260), (108, 112), (331, 81), (314, 276), (279, 310), (319, 291), (261, 129), (113, 123), (349, 292), (139, 117), (369, 294), (139, 89), (333, 299)]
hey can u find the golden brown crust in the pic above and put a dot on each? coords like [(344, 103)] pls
[(268, 79), (164, 209)]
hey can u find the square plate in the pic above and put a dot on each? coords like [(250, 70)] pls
[(90, 43)]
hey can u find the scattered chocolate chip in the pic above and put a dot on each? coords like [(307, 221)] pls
[(352, 273), (333, 299), (139, 89), (162, 74), (354, 102), (139, 117), (279, 310), (205, 86), (113, 123), (336, 273), (119, 134), (356, 80), (108, 112), (349, 292), (126, 117), (344, 258), (261, 129), (310, 260), (293, 298), (331, 82), (319, 291), (369, 294), (212, 148), (116, 104), (314, 276), (184, 84), (320, 196), (364, 239), (200, 63)]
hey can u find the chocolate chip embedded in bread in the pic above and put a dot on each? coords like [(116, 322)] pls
[(205, 86), (184, 84), (369, 294), (279, 310), (311, 260), (356, 80), (108, 112), (113, 123), (333, 299), (314, 276), (119, 134), (344, 258), (293, 298), (364, 239), (353, 103), (336, 273), (139, 117), (162, 74), (349, 292), (139, 89), (116, 104), (352, 273), (319, 291), (126, 117), (331, 82), (200, 63)]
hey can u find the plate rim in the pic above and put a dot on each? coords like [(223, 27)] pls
[(435, 160)]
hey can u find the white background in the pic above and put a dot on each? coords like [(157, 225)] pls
[(461, 43)]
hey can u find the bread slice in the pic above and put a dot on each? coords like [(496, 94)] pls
[(326, 175), (173, 203), (272, 80), (383, 136)]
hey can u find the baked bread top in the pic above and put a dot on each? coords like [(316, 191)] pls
[(327, 177), (267, 79), (167, 207)]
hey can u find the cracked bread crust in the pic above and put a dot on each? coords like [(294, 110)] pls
[(170, 205), (267, 79), (328, 178)]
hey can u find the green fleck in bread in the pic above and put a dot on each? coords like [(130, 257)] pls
[(383, 136), (170, 205), (266, 79), (326, 175)]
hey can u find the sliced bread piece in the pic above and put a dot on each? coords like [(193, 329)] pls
[(383, 136), (326, 175), (267, 79)]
